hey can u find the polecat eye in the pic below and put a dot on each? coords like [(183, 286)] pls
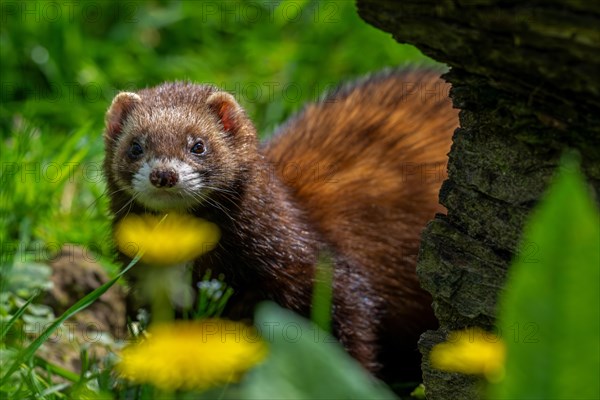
[(135, 151), (198, 148)]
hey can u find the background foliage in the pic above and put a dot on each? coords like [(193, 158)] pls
[(62, 62)]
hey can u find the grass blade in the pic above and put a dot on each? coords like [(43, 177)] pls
[(82, 304), (56, 370), (5, 327), (322, 294)]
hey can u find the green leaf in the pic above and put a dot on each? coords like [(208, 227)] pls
[(26, 278), (549, 315), (305, 363)]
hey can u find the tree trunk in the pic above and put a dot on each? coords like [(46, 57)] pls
[(525, 77)]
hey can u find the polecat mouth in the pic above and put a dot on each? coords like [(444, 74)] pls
[(164, 200)]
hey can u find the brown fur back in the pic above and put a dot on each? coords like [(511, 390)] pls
[(367, 163)]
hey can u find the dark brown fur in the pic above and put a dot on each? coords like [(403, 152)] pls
[(355, 176)]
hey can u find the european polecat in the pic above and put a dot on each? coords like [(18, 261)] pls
[(355, 175)]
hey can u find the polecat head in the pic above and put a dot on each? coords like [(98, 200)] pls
[(170, 146)]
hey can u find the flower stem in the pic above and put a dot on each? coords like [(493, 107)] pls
[(162, 309)]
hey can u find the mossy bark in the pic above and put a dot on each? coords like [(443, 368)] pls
[(525, 79)]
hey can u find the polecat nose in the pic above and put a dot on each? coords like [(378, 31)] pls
[(163, 178)]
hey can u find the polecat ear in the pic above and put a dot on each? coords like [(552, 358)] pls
[(121, 106), (229, 112)]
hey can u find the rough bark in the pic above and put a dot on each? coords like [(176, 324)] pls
[(524, 75)]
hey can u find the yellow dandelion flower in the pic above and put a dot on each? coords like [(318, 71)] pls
[(166, 240), (471, 351), (192, 355)]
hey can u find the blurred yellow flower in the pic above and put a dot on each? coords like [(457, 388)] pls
[(192, 355), (166, 240), (471, 351)]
